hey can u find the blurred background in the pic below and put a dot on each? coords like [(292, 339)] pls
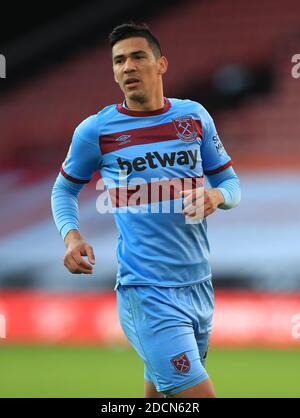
[(59, 334)]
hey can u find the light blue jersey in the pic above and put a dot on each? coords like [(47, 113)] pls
[(176, 143)]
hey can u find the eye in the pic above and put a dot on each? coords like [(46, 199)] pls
[(118, 60)]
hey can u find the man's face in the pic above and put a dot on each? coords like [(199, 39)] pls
[(137, 71)]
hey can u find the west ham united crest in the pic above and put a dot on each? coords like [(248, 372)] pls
[(181, 363), (186, 128)]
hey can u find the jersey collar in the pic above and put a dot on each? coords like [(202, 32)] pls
[(122, 109)]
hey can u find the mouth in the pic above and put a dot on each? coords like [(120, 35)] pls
[(132, 82)]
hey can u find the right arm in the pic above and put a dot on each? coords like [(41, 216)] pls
[(82, 160)]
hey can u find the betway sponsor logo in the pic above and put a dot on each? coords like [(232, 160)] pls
[(155, 159)]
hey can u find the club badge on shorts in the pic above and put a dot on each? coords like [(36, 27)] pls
[(185, 128), (181, 363)]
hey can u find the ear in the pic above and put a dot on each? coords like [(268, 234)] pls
[(163, 65)]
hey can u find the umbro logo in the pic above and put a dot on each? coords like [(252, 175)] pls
[(123, 139)]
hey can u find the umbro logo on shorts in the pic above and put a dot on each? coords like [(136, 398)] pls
[(181, 363)]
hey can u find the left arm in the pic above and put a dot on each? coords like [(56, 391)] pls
[(224, 194), (227, 183), (217, 166)]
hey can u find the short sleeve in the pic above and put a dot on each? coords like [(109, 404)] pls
[(84, 155), (214, 155)]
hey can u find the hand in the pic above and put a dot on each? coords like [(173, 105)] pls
[(76, 248), (201, 202)]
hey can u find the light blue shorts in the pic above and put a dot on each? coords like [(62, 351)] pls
[(169, 327)]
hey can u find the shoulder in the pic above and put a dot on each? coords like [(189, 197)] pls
[(106, 113), (90, 127), (191, 107)]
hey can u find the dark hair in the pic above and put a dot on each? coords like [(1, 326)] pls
[(131, 30)]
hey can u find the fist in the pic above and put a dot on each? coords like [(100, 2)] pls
[(77, 248)]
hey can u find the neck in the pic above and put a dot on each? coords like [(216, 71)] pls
[(154, 103)]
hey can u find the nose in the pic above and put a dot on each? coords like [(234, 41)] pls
[(129, 65)]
